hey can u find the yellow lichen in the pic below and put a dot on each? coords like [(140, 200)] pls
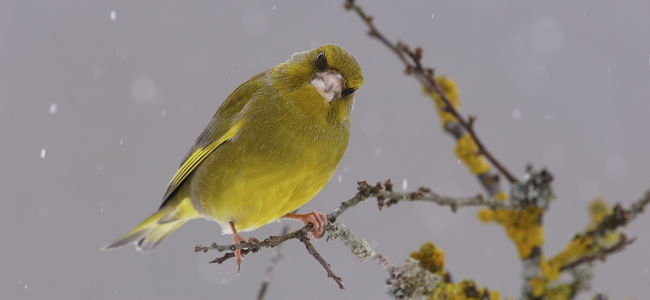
[(450, 89), (464, 290), (538, 285), (560, 292), (599, 209), (522, 226), (578, 247), (466, 150), (541, 287), (501, 195), (431, 258)]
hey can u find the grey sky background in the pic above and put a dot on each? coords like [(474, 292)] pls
[(99, 101)]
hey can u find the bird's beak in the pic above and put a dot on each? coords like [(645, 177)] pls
[(328, 84)]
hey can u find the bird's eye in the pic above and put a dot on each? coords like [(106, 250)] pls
[(320, 62), (347, 92)]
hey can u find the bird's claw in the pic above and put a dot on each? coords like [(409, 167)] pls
[(317, 219)]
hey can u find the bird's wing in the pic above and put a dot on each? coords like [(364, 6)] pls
[(223, 126)]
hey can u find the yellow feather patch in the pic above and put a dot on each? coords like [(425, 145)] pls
[(198, 156)]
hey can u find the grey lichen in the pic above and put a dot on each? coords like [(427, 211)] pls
[(359, 247), (411, 281), (536, 190)]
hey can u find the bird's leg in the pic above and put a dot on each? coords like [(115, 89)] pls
[(317, 219), (236, 239)]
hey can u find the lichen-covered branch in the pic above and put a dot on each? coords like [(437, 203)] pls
[(412, 60), (522, 218), (620, 216), (601, 254)]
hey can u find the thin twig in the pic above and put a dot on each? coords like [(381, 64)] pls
[(310, 248), (413, 63), (601, 255)]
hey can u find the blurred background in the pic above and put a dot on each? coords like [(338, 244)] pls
[(100, 100)]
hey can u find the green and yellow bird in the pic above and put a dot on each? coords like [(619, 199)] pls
[(269, 149)]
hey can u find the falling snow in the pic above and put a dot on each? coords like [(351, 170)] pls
[(121, 142), (53, 108), (163, 113), (339, 179), (113, 15), (516, 114), (43, 153), (405, 184)]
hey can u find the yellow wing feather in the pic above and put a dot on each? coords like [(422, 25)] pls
[(194, 159)]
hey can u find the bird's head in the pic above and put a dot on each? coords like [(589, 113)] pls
[(328, 71)]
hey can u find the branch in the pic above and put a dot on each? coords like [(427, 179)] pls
[(310, 248), (412, 60), (601, 255), (364, 191), (620, 216)]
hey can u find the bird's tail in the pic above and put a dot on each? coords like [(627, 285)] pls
[(148, 234)]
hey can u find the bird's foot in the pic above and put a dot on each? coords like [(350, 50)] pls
[(317, 219), (236, 239)]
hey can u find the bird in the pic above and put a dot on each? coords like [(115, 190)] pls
[(271, 146)]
